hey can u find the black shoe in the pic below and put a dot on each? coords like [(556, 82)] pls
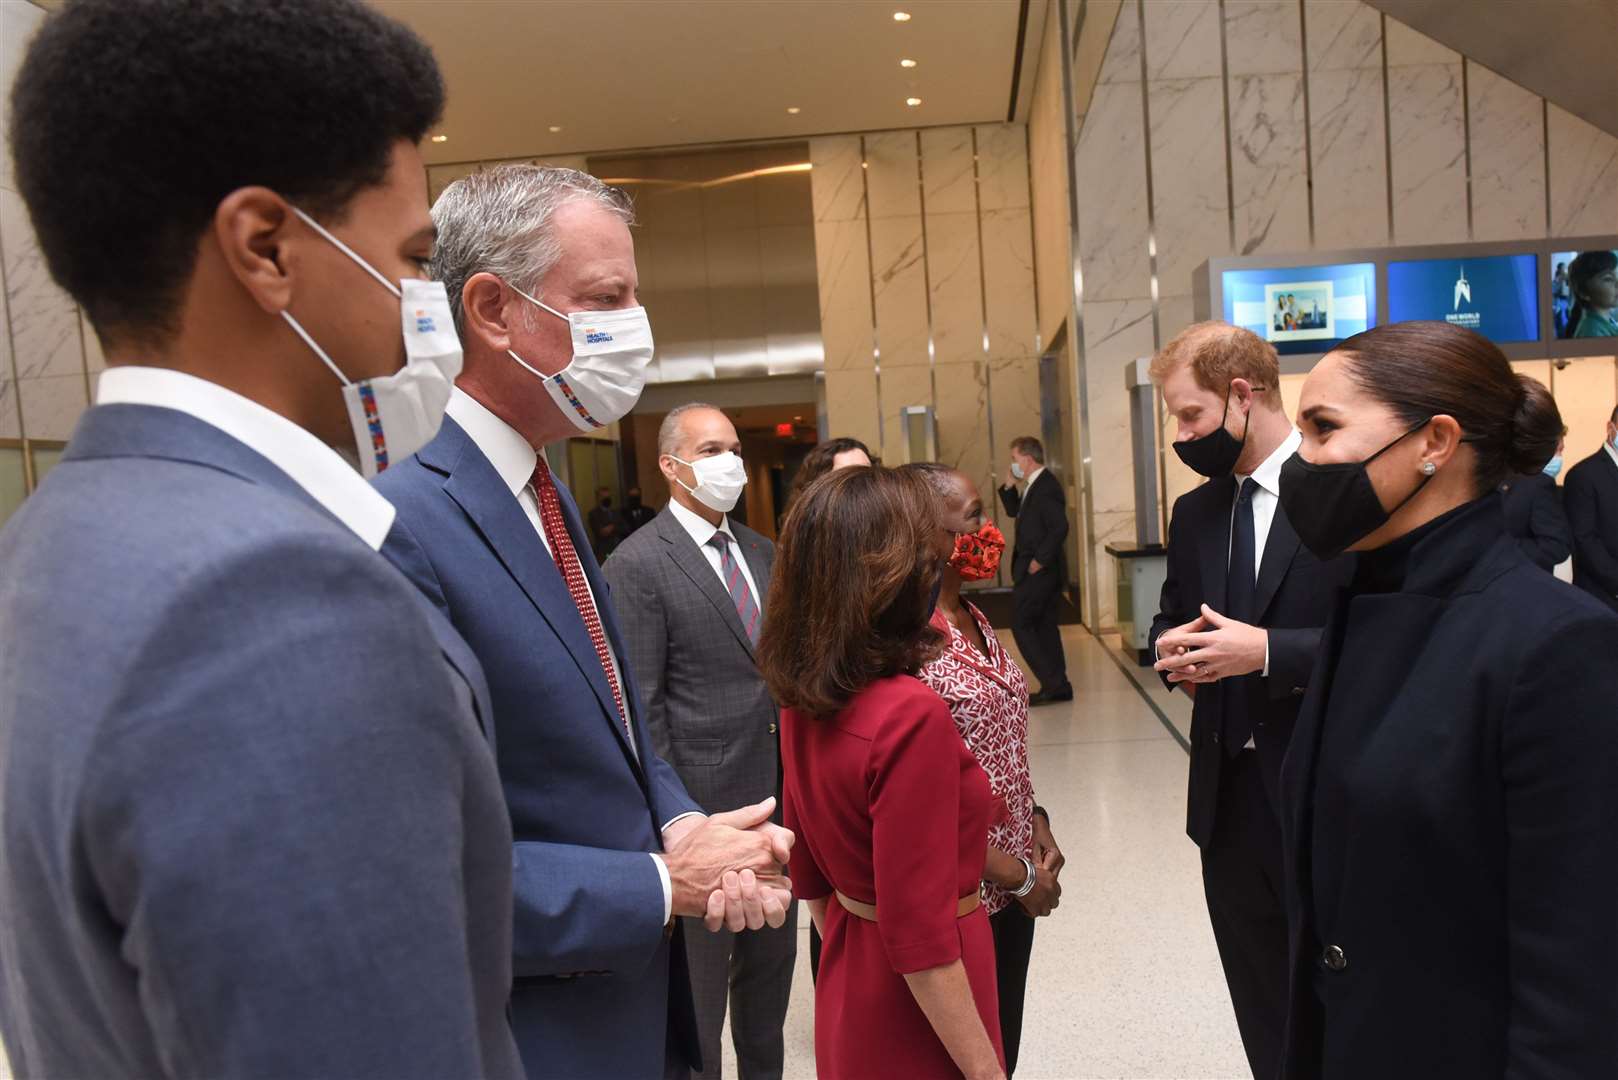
[(1047, 697)]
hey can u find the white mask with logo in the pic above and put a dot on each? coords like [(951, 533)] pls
[(720, 480), (395, 415), (610, 352)]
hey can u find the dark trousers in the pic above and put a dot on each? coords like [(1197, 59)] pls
[(1036, 603), (1241, 877), (752, 972)]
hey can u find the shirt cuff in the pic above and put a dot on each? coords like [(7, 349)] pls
[(668, 887), (1266, 654), (667, 825)]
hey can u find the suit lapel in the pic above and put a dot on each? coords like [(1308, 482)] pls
[(694, 565), (1213, 546), (1279, 550), (758, 562)]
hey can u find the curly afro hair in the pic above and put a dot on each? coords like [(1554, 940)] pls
[(134, 118)]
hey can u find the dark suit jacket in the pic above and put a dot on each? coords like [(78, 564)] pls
[(1534, 515), (706, 705), (1041, 533), (251, 825), (594, 983), (1294, 597), (1590, 493), (1463, 850)]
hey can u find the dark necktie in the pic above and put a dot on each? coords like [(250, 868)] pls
[(736, 585), (1240, 592), (567, 561)]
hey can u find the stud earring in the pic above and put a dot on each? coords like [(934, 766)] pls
[(1428, 468)]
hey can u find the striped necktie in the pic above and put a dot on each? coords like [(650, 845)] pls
[(740, 594)]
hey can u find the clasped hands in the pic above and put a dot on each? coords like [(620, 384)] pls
[(1209, 648), (730, 869)]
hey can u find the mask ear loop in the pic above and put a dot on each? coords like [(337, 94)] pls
[(298, 329), (538, 303), (1426, 476), (350, 252)]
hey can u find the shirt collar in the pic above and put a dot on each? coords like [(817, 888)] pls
[(1607, 446), (312, 465), (1268, 474), (701, 532), (510, 454), (1035, 475)]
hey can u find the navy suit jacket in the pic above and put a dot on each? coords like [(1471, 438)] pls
[(599, 991)]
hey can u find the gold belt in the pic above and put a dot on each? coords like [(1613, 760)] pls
[(861, 910)]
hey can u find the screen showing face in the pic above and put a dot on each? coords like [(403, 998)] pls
[(1584, 293), (1302, 309), (1496, 295)]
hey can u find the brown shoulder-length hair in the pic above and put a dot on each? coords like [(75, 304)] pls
[(818, 462), (851, 592)]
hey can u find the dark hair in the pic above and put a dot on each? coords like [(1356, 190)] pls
[(1027, 444), (874, 533), (1586, 266), (819, 461), (134, 118), (1424, 369), (939, 477), (1542, 405)]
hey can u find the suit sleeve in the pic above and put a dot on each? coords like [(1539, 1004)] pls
[(1011, 499), (1053, 520), (1559, 753), (1550, 538), (1592, 557), (1172, 603), (1292, 658), (278, 821)]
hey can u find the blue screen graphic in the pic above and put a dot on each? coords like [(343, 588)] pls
[(1496, 295), (1302, 309)]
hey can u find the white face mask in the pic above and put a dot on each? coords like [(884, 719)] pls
[(610, 352), (1016, 471), (395, 415), (720, 480)]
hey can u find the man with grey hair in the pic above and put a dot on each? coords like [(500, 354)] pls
[(609, 847), (690, 593)]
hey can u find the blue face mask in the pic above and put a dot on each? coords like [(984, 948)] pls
[(1553, 466)]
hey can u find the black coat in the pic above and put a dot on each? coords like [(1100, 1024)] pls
[(1590, 493), (1041, 515), (1534, 515), (1455, 837), (1294, 597)]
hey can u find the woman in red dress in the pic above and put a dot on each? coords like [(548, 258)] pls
[(890, 809)]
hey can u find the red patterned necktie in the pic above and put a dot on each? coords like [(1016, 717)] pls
[(567, 561)]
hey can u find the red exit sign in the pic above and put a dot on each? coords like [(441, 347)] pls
[(786, 430)]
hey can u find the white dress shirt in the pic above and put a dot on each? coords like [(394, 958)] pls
[(1607, 446), (1265, 500), (702, 532), (514, 459), (1034, 476), (312, 465)]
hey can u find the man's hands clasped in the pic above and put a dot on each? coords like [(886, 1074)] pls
[(1209, 648), (730, 869)]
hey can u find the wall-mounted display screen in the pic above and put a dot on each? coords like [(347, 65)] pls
[(1302, 309), (1584, 293), (1496, 295)]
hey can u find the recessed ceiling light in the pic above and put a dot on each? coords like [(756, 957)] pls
[(907, 63), (912, 101), (440, 138), (901, 16), (555, 128), (794, 110)]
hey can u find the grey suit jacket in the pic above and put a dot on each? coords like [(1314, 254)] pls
[(708, 710), (250, 824)]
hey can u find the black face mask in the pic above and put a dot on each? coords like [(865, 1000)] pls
[(1216, 453), (1333, 506)]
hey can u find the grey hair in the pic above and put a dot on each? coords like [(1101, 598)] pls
[(668, 435), (499, 222)]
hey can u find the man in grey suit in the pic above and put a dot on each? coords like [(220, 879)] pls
[(250, 825), (690, 595)]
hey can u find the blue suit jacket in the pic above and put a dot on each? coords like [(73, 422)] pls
[(251, 826), (599, 991)]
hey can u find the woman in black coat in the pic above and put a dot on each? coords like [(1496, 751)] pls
[(1450, 799)]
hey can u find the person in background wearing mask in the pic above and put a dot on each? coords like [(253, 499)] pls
[(1038, 567), (1533, 503), (988, 700), (1238, 624), (1449, 806), (690, 592), (1591, 494), (251, 825), (540, 269), (606, 525), (636, 513)]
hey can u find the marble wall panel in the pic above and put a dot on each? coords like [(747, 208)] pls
[(1121, 64), (1428, 130), (1262, 37), (1002, 166), (1008, 282), (1508, 158), (842, 258), (948, 183), (1584, 176), (963, 421), (1347, 124), (1111, 168), (853, 405), (893, 175), (1192, 213), (736, 308), (1269, 173), (955, 287), (18, 22), (10, 409), (1174, 313), (1408, 47), (44, 319), (1115, 332), (899, 278), (1014, 390), (1181, 38), (1344, 35), (51, 405), (901, 387), (1110, 528), (838, 181)]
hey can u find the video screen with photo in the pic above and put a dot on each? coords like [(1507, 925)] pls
[(1584, 294), (1302, 309), (1496, 295)]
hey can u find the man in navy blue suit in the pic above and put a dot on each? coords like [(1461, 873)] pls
[(609, 847)]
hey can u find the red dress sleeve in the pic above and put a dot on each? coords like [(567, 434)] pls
[(808, 883), (915, 794)]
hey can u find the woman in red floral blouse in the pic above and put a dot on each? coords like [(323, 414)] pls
[(988, 699)]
